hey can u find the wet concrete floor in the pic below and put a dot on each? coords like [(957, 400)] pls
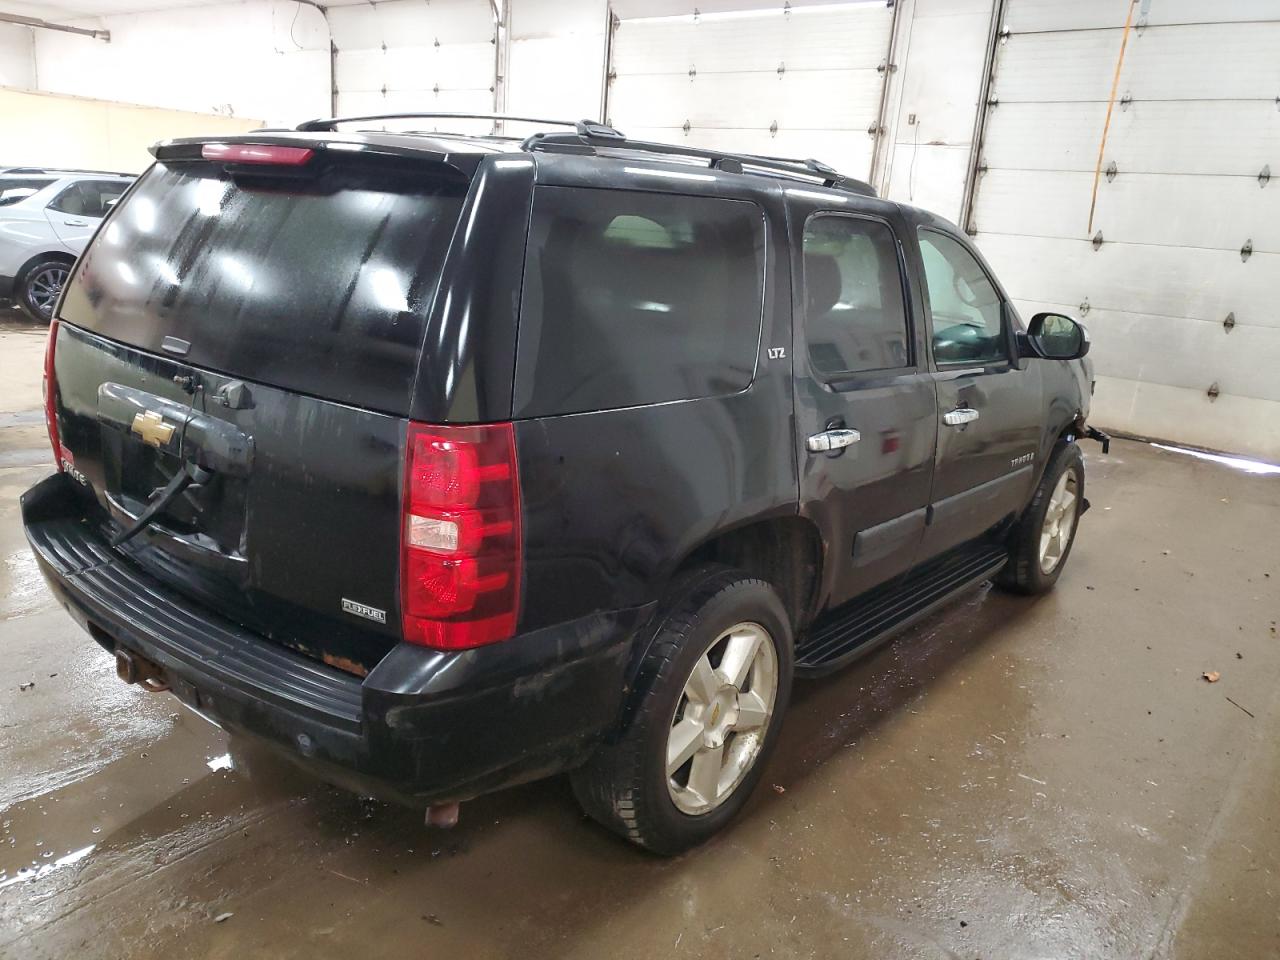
[(1015, 778)]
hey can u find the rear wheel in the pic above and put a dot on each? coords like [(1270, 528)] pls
[(707, 707), (39, 287), (1042, 539)]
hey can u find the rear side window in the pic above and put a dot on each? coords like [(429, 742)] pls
[(318, 285), (855, 314), (633, 298), (88, 198)]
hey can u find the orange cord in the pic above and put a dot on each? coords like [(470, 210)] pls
[(1115, 85)]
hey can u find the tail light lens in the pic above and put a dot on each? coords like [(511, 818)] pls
[(49, 388), (460, 553)]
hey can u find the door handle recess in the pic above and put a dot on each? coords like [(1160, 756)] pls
[(75, 223), (963, 415), (829, 440)]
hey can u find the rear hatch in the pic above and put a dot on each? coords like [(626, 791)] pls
[(241, 341)]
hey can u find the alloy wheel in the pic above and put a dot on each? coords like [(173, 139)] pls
[(43, 288), (721, 719), (1059, 524)]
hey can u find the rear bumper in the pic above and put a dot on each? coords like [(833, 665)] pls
[(424, 726)]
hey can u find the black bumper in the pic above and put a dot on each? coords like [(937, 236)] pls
[(6, 288), (424, 726)]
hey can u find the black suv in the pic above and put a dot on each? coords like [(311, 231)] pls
[(444, 462)]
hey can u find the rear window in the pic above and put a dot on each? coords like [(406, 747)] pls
[(319, 285), (633, 298)]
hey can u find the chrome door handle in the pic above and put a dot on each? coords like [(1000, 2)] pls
[(829, 440), (958, 417), (76, 223)]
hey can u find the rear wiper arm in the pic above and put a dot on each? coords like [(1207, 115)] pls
[(190, 474)]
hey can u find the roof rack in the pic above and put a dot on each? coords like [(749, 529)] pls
[(590, 135), (330, 123), (11, 171)]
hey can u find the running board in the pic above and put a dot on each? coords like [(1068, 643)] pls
[(858, 627)]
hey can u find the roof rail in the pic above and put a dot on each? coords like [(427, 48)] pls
[(590, 135), (331, 123)]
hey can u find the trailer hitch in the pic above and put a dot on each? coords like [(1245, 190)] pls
[(1093, 433)]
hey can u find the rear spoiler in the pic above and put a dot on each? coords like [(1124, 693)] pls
[(331, 148)]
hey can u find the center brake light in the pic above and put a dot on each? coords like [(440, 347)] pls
[(460, 540), (257, 153)]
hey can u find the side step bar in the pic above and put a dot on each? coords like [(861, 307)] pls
[(855, 629)]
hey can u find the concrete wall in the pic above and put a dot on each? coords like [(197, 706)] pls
[(45, 129), (17, 57), (265, 59)]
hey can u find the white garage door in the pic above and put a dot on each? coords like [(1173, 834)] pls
[(797, 82), (413, 56), (1185, 326)]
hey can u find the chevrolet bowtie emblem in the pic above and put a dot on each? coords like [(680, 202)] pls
[(152, 428)]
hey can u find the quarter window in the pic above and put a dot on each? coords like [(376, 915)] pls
[(964, 305), (633, 298), (855, 316)]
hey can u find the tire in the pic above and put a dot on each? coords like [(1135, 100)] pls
[(714, 616), (1026, 571), (38, 289)]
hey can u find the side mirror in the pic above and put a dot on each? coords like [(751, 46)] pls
[(1054, 336)]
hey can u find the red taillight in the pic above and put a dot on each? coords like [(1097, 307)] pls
[(460, 550), (49, 388), (256, 153)]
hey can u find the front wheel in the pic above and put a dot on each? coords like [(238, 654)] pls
[(705, 714), (1042, 538), (40, 286)]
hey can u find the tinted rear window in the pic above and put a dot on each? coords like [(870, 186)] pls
[(320, 286), (633, 298)]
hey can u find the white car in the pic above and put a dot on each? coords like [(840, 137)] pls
[(46, 218)]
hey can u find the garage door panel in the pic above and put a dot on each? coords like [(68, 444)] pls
[(1050, 67), (820, 105), (1222, 137), (1056, 15), (1180, 352), (1131, 346), (1188, 416), (1033, 203), (803, 99), (849, 152), (366, 102), (1167, 281), (1196, 123), (453, 66), (1232, 61), (1195, 211), (808, 40)]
